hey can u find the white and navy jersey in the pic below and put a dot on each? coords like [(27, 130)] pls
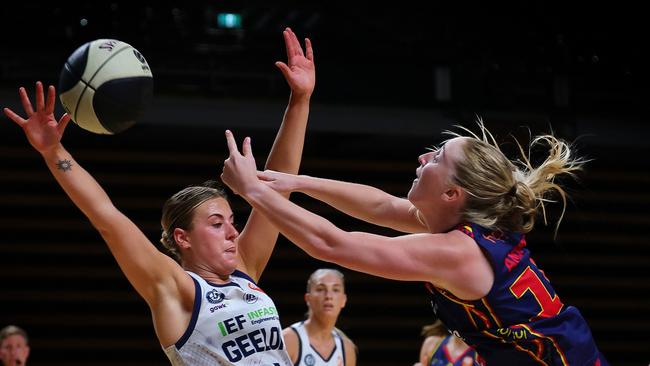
[(308, 356), (232, 324)]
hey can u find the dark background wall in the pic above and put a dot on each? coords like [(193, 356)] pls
[(389, 79)]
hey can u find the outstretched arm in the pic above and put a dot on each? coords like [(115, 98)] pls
[(156, 277), (258, 237), (450, 260), (364, 202)]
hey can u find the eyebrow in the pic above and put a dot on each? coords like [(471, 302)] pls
[(221, 216)]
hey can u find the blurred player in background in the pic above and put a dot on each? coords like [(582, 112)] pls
[(316, 341)]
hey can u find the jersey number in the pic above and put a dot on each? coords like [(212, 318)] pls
[(530, 281)]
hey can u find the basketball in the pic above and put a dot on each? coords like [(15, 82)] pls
[(106, 86)]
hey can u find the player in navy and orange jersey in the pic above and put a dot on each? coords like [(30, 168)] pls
[(440, 348), (466, 214), (521, 309)]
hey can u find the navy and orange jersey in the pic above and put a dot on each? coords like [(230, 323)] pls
[(521, 321), (441, 357)]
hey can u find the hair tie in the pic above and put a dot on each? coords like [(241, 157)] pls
[(513, 191)]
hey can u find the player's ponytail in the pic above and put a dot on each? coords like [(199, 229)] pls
[(540, 180), (506, 195)]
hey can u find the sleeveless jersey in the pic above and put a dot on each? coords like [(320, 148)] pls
[(308, 356), (441, 357), (521, 321), (232, 324)]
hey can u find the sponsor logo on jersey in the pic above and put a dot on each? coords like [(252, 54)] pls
[(310, 360), (514, 333), (250, 298), (259, 340), (253, 287), (217, 307), (515, 255), (214, 296), (262, 312)]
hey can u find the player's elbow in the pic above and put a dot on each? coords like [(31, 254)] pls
[(329, 245), (320, 248)]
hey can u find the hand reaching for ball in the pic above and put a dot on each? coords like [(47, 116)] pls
[(41, 127)]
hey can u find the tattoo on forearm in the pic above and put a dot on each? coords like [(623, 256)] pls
[(64, 165)]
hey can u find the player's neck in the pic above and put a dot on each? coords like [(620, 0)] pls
[(319, 329)]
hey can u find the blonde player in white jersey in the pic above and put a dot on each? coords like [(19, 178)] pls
[(316, 341), (205, 305)]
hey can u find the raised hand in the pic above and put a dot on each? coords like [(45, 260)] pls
[(41, 127), (239, 170), (299, 71)]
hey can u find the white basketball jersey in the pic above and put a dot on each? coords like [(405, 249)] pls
[(232, 324), (308, 356)]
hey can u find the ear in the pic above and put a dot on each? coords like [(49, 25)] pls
[(307, 298), (453, 193), (345, 300), (182, 238)]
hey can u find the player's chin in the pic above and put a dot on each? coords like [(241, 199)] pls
[(329, 314), (411, 192), (231, 258)]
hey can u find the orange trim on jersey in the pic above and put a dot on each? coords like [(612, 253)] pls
[(483, 317), (540, 347), (491, 312), (470, 317), (469, 308), (448, 354), (533, 355), (536, 357), (557, 347), (453, 298)]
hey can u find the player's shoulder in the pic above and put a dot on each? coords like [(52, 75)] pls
[(291, 331), (432, 342), (291, 337), (291, 342), (347, 342)]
